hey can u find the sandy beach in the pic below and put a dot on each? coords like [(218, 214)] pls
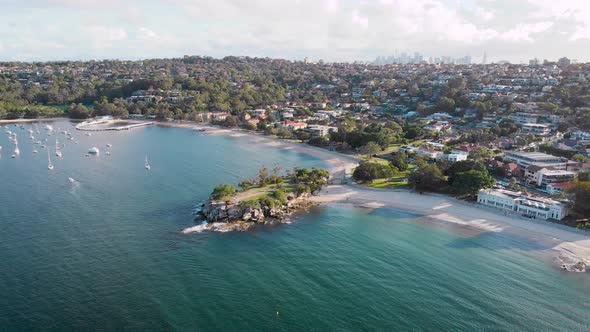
[(3, 122), (338, 162), (565, 245)]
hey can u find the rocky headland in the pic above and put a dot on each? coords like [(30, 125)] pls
[(268, 199)]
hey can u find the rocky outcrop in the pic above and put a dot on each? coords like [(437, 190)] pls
[(571, 263), (229, 212)]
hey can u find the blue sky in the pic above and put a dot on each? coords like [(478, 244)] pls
[(333, 30)]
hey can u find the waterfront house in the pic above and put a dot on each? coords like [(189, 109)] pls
[(528, 206)]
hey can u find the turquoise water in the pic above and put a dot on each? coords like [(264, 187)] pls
[(108, 253)]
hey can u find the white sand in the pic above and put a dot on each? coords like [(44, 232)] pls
[(565, 242), (3, 122)]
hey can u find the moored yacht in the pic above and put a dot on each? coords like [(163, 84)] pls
[(49, 164)]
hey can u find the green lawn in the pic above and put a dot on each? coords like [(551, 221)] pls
[(393, 183), (397, 182)]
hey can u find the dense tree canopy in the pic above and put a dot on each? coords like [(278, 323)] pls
[(427, 177), (369, 171), (470, 182), (223, 191)]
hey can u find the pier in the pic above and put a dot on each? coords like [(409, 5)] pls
[(100, 125)]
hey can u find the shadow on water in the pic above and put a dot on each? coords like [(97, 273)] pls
[(498, 241)]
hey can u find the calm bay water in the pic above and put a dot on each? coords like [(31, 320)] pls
[(107, 253)]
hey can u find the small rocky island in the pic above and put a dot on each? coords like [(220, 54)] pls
[(267, 199)]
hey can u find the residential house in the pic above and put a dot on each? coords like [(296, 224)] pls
[(536, 129), (557, 188), (320, 131), (292, 125)]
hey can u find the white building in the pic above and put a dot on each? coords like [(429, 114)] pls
[(536, 128), (523, 118), (452, 157), (319, 131), (543, 176), (515, 202), (525, 159)]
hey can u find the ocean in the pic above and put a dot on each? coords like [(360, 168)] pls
[(107, 252)]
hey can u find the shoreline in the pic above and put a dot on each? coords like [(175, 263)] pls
[(565, 245), (3, 122), (337, 163)]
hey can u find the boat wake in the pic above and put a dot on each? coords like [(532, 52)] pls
[(195, 229), (220, 227)]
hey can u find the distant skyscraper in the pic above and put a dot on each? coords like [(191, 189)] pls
[(417, 58), (485, 58)]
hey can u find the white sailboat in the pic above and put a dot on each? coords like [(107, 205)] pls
[(57, 149), (147, 165), (49, 165)]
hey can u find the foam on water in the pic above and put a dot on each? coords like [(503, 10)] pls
[(196, 229)]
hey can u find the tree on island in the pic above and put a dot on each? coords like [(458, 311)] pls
[(223, 191), (262, 177), (246, 184), (313, 179)]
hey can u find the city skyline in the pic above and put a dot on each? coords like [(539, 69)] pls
[(332, 30)]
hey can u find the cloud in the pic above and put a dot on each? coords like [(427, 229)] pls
[(104, 33), (146, 34), (330, 29), (524, 32), (484, 14), (576, 12), (331, 6), (360, 20)]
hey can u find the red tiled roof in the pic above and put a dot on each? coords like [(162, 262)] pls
[(511, 166), (561, 185)]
